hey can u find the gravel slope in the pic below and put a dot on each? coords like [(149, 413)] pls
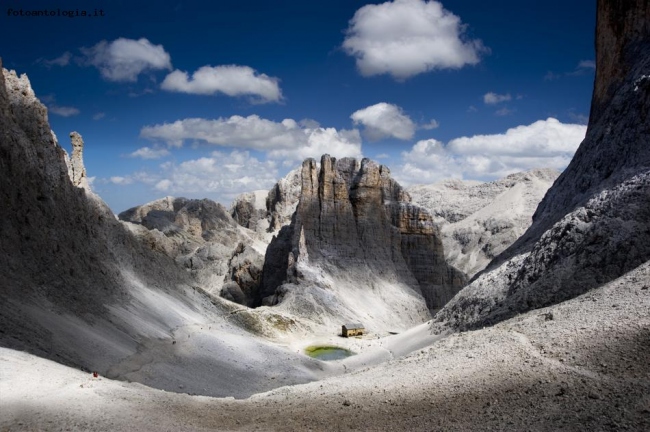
[(579, 365)]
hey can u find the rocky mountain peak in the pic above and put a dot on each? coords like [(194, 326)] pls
[(352, 215)]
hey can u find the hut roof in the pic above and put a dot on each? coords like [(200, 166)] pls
[(352, 326)]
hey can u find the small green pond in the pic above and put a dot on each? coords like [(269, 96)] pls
[(327, 353)]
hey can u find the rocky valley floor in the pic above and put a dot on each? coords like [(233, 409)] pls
[(579, 365)]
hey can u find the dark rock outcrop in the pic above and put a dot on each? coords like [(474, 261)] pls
[(353, 216), (594, 223)]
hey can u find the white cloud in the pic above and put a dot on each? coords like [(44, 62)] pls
[(121, 181), (427, 162), (404, 38), (343, 143), (248, 132), (545, 143), (433, 124), (99, 116), (124, 59), (63, 111), (231, 80), (384, 120), (309, 124), (542, 138), (222, 176), (149, 153), (493, 98), (286, 139)]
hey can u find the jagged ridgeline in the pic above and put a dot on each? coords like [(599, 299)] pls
[(354, 219), (343, 231)]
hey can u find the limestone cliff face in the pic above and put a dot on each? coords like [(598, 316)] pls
[(593, 225), (353, 217)]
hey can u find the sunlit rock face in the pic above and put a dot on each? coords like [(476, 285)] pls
[(353, 217), (477, 220), (593, 225)]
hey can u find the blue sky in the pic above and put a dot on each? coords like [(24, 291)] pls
[(210, 99)]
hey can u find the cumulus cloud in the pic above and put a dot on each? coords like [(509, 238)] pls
[(99, 116), (124, 59), (493, 98), (221, 176), (384, 120), (545, 143), (343, 143), (404, 38), (149, 153), (248, 132), (427, 162), (286, 139), (230, 80), (63, 111)]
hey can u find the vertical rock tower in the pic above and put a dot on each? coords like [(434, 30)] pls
[(354, 218)]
